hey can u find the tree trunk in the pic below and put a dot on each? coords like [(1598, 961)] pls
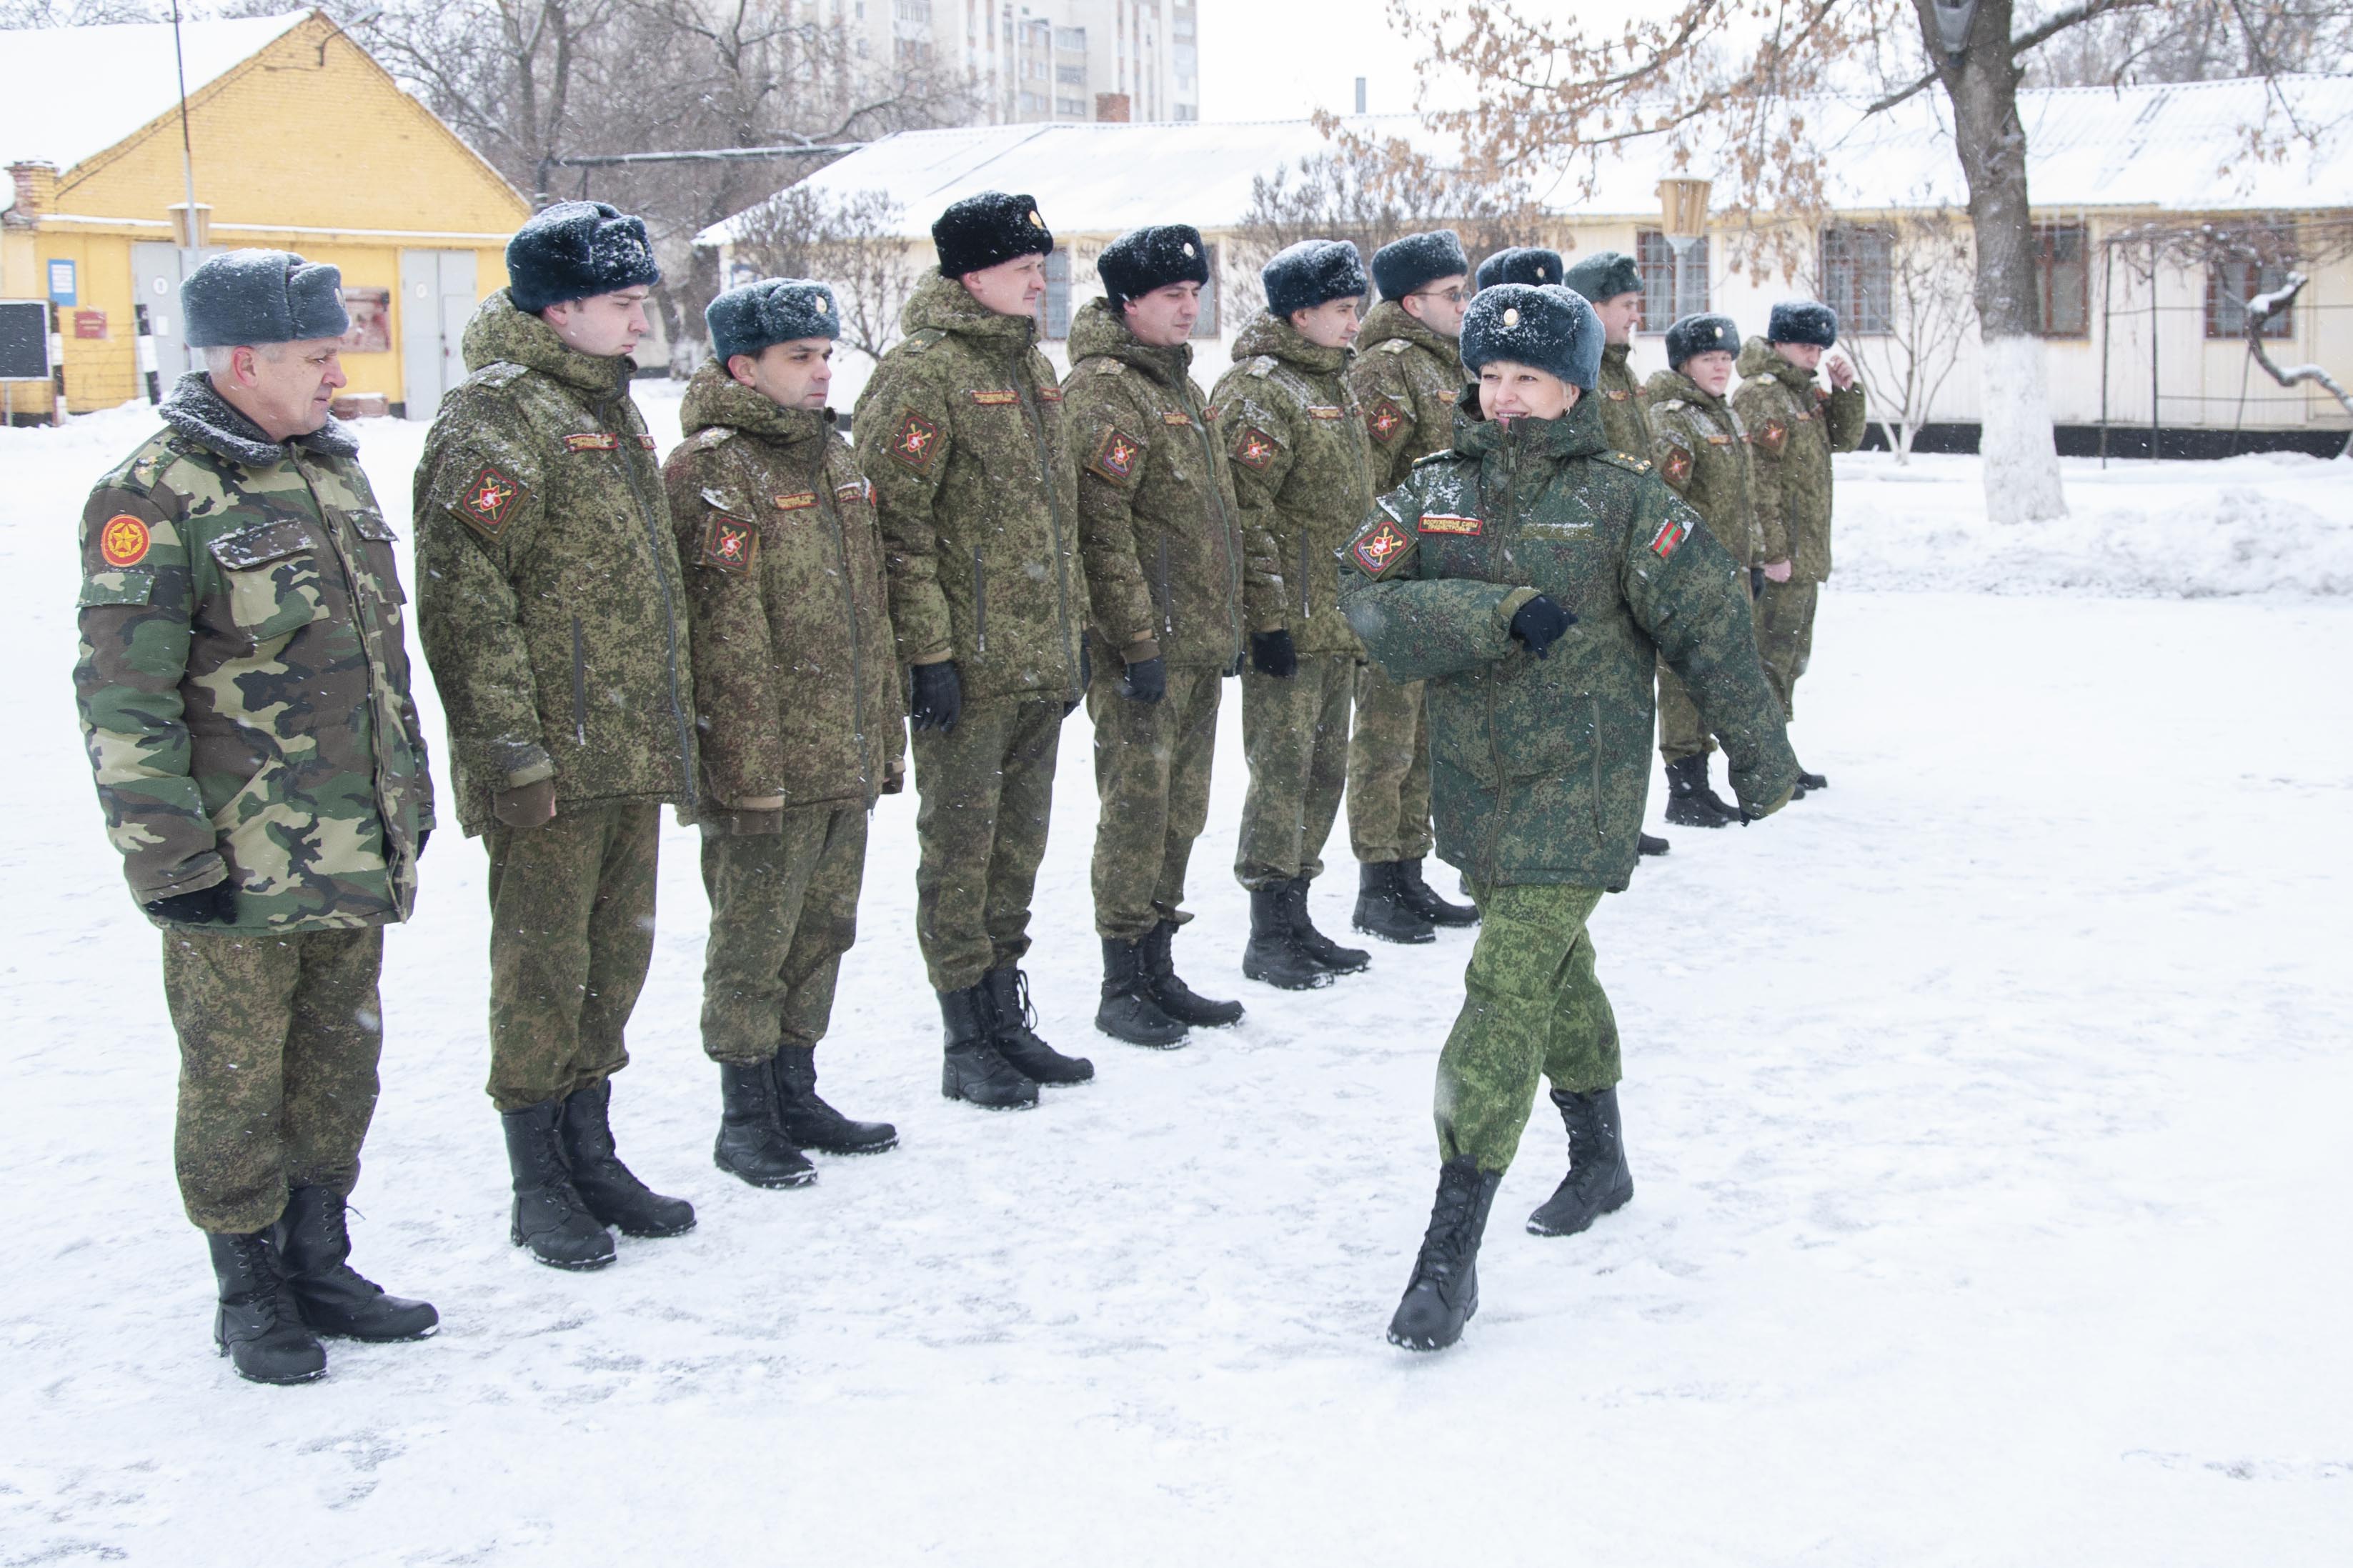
[(2022, 455)]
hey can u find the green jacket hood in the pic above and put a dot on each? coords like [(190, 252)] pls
[(1096, 330), (501, 332), (714, 398), (1759, 357), (1262, 334), (944, 305), (1391, 319)]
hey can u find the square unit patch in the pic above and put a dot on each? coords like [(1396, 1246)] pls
[(1116, 455), (1385, 421), (1676, 468), (917, 442), (1380, 549), (1255, 449), (1447, 522), (491, 500), (1663, 542), (1773, 436), (729, 544)]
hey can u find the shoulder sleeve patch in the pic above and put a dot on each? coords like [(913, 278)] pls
[(1773, 435), (729, 545), (1116, 456), (123, 540), (1254, 448), (1672, 532), (1674, 464), (1384, 420), (916, 442), (1381, 550), (490, 500)]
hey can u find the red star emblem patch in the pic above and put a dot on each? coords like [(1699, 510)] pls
[(730, 545), (1385, 421), (490, 500), (917, 440), (1774, 436), (1116, 455), (1380, 549), (1255, 449)]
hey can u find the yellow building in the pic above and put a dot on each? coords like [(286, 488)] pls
[(297, 139)]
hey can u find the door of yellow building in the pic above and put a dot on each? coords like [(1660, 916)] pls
[(437, 300), (157, 269)]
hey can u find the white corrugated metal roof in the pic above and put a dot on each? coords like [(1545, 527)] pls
[(73, 93), (2181, 147)]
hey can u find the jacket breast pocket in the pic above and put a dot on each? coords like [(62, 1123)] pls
[(271, 572)]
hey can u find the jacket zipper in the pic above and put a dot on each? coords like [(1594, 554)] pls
[(579, 685), (1167, 598), (1594, 699), (1303, 611), (1494, 746), (1229, 543), (1037, 421), (630, 459), (856, 666), (979, 600)]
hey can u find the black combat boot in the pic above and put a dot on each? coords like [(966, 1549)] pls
[(1318, 947), (257, 1325), (1382, 909), (1128, 1011), (1646, 845), (1423, 899), (314, 1247), (810, 1121), (973, 1070), (1014, 1024), (1690, 802), (550, 1217), (1274, 954), (753, 1145), (1597, 1182), (1176, 998), (611, 1190), (1443, 1294), (1808, 782)]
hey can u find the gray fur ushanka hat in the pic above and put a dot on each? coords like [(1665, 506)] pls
[(260, 297)]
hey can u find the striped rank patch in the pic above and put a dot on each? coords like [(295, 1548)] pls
[(592, 441), (1447, 522), (797, 502), (996, 399), (1663, 542)]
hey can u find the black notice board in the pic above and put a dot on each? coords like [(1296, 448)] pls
[(24, 339)]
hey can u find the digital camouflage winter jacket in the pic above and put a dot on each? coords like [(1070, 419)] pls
[(795, 676), (548, 598), (242, 679), (1697, 445), (1158, 522), (961, 432), (1794, 425), (1407, 381), (1304, 474), (1539, 767), (1624, 424)]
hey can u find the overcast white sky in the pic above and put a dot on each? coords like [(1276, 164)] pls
[(1283, 59)]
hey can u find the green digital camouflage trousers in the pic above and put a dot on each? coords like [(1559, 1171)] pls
[(278, 1041), (1388, 770), (572, 931), (1785, 636), (1532, 1005), (987, 792), (1295, 734), (1681, 733), (1152, 781), (784, 909)]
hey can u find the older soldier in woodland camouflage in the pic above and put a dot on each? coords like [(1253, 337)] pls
[(961, 432), (797, 705), (550, 607), (1794, 425), (1302, 472), (1702, 451), (1533, 578), (244, 694), (1407, 378), (1611, 283), (1161, 532)]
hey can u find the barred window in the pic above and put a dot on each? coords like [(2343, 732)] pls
[(2230, 285), (1670, 291), (2063, 274), (1054, 310), (1857, 277)]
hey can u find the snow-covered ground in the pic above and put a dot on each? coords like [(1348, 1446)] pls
[(1988, 1114)]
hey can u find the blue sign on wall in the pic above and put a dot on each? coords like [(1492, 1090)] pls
[(62, 284)]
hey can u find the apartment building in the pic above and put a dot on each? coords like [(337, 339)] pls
[(1043, 60)]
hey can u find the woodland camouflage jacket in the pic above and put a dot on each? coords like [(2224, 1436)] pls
[(242, 681), (796, 676), (1540, 766), (548, 595)]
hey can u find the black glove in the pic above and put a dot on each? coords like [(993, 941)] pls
[(216, 905), (424, 836), (938, 700), (1539, 624), (1147, 680), (1757, 582), (1271, 654)]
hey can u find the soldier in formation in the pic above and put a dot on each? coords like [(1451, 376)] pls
[(1612, 283), (1794, 425), (797, 708), (1533, 578), (550, 610), (1303, 473), (1701, 450), (960, 432), (1160, 529), (243, 687), (1407, 380)]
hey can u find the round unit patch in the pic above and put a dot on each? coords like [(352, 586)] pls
[(123, 540)]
